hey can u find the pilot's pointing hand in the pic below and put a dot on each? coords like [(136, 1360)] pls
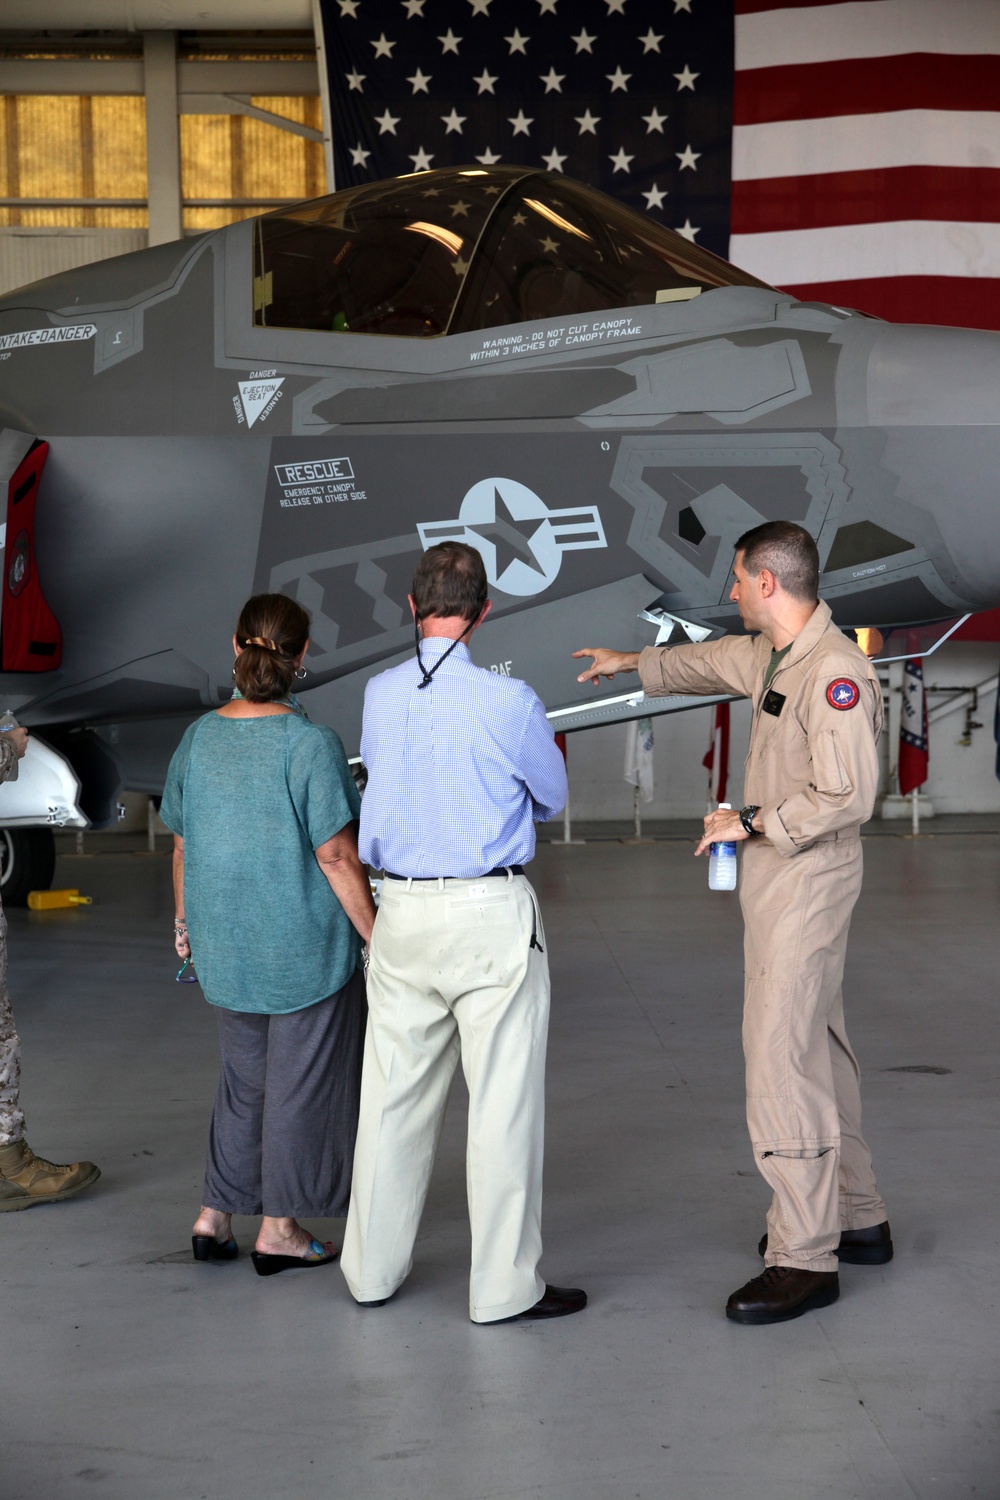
[(607, 663)]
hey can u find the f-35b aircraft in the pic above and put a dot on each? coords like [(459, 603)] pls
[(305, 401)]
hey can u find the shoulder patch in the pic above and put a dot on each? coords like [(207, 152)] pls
[(843, 693)]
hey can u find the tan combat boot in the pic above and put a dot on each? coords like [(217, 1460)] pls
[(27, 1179)]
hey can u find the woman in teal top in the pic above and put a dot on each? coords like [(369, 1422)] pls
[(273, 905)]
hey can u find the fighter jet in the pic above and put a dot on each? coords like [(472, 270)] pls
[(305, 401)]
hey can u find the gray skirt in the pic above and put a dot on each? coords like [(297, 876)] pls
[(281, 1141)]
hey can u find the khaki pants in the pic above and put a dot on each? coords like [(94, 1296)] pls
[(803, 1094), (453, 973)]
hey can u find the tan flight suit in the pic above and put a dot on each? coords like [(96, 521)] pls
[(812, 769)]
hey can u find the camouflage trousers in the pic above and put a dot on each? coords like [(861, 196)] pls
[(11, 1118)]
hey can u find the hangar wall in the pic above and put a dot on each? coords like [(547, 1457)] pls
[(962, 776)]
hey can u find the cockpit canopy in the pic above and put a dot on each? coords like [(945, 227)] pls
[(455, 251)]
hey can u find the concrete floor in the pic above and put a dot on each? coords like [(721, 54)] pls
[(129, 1371)]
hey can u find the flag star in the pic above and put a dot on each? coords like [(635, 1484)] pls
[(349, 8), (621, 159), (460, 266), (687, 158), (618, 80), (654, 121), (689, 231), (615, 7), (554, 162), (355, 80), (460, 210), (654, 198), (520, 122), (359, 156), (519, 219), (414, 8), (682, 5), (420, 82), (552, 81), (584, 42), (485, 81), (387, 123), (650, 42), (549, 245), (481, 7), (686, 79), (587, 121), (547, 7), (449, 42), (517, 42), (453, 122), (429, 192), (382, 47), (489, 158), (422, 162)]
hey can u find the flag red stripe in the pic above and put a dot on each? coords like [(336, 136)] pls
[(754, 7), (866, 85), (954, 194), (955, 301)]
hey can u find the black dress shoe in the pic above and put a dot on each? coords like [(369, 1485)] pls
[(207, 1247), (781, 1293), (556, 1302), (858, 1247)]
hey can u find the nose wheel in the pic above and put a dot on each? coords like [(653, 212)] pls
[(27, 863)]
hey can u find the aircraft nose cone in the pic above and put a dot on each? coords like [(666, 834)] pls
[(935, 393), (934, 377)]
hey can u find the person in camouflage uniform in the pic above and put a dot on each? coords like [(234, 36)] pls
[(25, 1179)]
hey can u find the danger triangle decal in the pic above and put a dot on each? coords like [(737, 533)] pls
[(256, 395)]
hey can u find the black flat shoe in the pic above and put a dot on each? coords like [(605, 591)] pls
[(317, 1255), (207, 1247)]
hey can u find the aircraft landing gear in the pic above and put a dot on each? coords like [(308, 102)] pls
[(27, 863)]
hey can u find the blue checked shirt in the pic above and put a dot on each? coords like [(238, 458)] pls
[(458, 772)]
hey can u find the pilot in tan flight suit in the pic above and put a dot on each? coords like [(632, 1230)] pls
[(810, 783)]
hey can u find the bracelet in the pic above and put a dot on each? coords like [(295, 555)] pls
[(180, 926)]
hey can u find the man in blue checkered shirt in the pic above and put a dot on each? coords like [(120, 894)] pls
[(461, 763)]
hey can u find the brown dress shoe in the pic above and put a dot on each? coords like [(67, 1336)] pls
[(27, 1179), (858, 1247), (781, 1293)]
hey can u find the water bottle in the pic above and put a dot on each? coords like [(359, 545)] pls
[(9, 722), (722, 863)]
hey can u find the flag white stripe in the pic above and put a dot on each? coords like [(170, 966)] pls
[(860, 28), (853, 252), (859, 143)]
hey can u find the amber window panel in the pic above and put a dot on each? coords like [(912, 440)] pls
[(67, 146)]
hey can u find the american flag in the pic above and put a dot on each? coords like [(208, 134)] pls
[(864, 135), (866, 154), (631, 96)]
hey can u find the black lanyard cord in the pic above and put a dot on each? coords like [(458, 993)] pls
[(443, 657)]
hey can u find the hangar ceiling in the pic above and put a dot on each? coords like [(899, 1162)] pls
[(154, 15)]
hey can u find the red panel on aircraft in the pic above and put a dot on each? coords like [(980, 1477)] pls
[(30, 638)]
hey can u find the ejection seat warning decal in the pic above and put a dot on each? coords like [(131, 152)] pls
[(71, 334), (317, 481), (258, 396)]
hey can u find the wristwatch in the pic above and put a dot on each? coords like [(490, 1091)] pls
[(747, 815)]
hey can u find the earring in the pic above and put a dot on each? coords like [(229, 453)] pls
[(301, 672), (234, 669)]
